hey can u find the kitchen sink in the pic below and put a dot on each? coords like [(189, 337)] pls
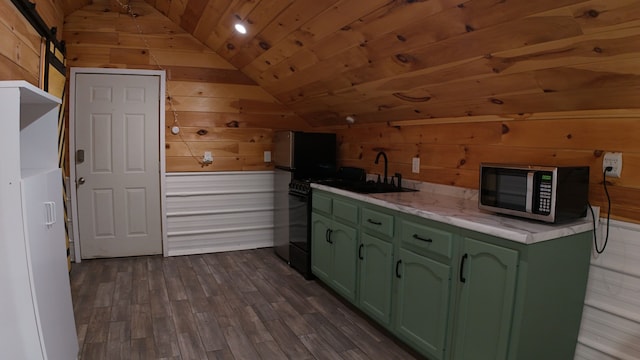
[(369, 187)]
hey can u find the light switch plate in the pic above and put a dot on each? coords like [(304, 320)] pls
[(415, 165), (267, 156), (208, 158)]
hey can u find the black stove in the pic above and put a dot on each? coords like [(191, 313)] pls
[(300, 215), (300, 187), (300, 225)]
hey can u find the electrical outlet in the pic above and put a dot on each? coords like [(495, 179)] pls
[(615, 161), (208, 158), (267, 156), (415, 165)]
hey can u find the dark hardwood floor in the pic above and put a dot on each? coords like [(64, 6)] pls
[(235, 305)]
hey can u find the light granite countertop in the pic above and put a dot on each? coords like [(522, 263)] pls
[(459, 207)]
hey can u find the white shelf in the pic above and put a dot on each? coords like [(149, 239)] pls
[(31, 95), (31, 172), (36, 313)]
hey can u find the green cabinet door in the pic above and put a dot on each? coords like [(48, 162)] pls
[(344, 273), (422, 302), (321, 249), (334, 249), (376, 268), (487, 283)]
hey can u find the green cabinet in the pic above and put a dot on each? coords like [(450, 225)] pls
[(321, 248), (517, 301), (452, 293), (334, 244), (487, 283), (376, 261), (422, 302), (344, 240), (423, 286)]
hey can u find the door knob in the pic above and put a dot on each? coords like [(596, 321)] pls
[(81, 181)]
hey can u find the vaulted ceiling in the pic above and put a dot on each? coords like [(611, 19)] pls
[(382, 60)]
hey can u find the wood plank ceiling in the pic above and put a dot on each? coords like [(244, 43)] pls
[(381, 60)]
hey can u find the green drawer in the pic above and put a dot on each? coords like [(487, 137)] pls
[(321, 202), (378, 222), (346, 211), (426, 238)]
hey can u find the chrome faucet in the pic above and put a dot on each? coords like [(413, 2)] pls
[(385, 163)]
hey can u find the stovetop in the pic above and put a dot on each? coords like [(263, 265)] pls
[(300, 187), (346, 177), (303, 186)]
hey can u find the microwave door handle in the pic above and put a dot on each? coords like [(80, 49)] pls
[(529, 205)]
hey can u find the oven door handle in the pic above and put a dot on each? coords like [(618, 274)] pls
[(300, 196)]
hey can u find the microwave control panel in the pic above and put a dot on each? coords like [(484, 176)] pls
[(544, 180)]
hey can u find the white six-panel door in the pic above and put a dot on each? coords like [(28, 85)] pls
[(117, 165)]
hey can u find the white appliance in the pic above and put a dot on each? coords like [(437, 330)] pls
[(36, 312)]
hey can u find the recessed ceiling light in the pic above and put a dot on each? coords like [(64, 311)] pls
[(241, 29)]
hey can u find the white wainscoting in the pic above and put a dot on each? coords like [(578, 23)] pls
[(610, 327), (222, 211)]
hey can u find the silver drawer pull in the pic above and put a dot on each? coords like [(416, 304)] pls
[(418, 237), (371, 221)]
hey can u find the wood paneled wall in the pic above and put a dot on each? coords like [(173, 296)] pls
[(19, 47), (223, 111), (218, 108), (52, 14), (451, 153)]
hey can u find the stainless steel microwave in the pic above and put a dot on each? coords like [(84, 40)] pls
[(548, 193)]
